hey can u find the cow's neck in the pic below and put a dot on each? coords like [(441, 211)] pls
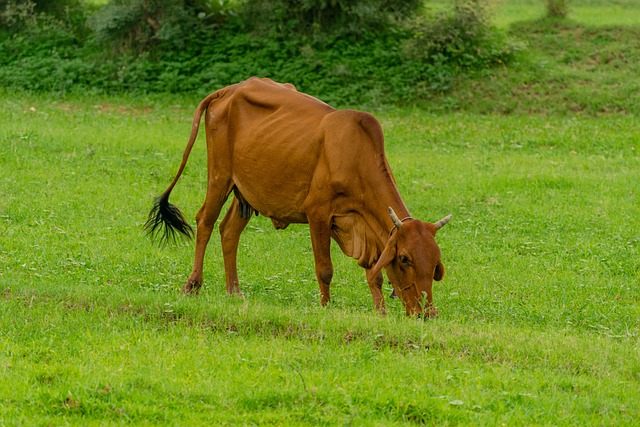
[(381, 223), (363, 231)]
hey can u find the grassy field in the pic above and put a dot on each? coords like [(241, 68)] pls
[(588, 12), (575, 66), (539, 314)]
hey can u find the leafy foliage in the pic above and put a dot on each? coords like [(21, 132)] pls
[(557, 8), (142, 25), (459, 39), (15, 14), (319, 18), (359, 52)]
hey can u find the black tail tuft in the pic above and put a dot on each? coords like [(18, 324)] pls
[(165, 220)]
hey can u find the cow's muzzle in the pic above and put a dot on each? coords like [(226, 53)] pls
[(417, 302)]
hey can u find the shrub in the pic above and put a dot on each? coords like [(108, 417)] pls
[(557, 8), (21, 15), (15, 14), (71, 12), (322, 19), (142, 25), (197, 46), (458, 40)]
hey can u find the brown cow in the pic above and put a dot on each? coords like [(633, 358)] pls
[(295, 159)]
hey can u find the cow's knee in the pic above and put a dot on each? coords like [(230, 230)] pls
[(377, 281), (223, 230), (325, 275), (200, 212), (206, 220)]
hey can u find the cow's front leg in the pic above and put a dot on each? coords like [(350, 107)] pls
[(230, 229), (375, 285), (321, 242)]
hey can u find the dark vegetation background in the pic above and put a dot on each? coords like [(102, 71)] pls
[(367, 52), (438, 55)]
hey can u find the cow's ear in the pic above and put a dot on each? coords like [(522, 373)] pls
[(438, 274), (387, 255)]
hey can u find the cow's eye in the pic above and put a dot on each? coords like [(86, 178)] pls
[(404, 259)]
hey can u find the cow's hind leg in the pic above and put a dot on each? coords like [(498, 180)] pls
[(217, 193), (230, 229)]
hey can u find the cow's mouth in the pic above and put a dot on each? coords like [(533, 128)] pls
[(419, 306)]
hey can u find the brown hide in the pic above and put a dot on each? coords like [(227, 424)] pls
[(294, 159)]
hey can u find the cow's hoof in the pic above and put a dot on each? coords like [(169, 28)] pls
[(192, 287), (235, 293)]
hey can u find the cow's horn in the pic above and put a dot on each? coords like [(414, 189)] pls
[(442, 222), (394, 218)]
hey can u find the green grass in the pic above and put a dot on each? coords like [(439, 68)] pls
[(586, 12), (585, 65), (593, 13), (564, 68), (538, 315)]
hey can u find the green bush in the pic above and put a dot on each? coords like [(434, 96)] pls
[(198, 46), (15, 14), (145, 25), (321, 19), (557, 8), (459, 40)]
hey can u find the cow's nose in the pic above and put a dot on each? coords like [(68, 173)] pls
[(431, 312)]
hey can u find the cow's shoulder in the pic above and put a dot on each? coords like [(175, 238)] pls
[(362, 124)]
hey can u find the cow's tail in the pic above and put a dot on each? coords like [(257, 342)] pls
[(165, 219)]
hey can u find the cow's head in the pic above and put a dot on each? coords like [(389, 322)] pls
[(412, 261)]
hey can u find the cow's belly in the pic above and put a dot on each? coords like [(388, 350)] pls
[(274, 184), (274, 161)]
